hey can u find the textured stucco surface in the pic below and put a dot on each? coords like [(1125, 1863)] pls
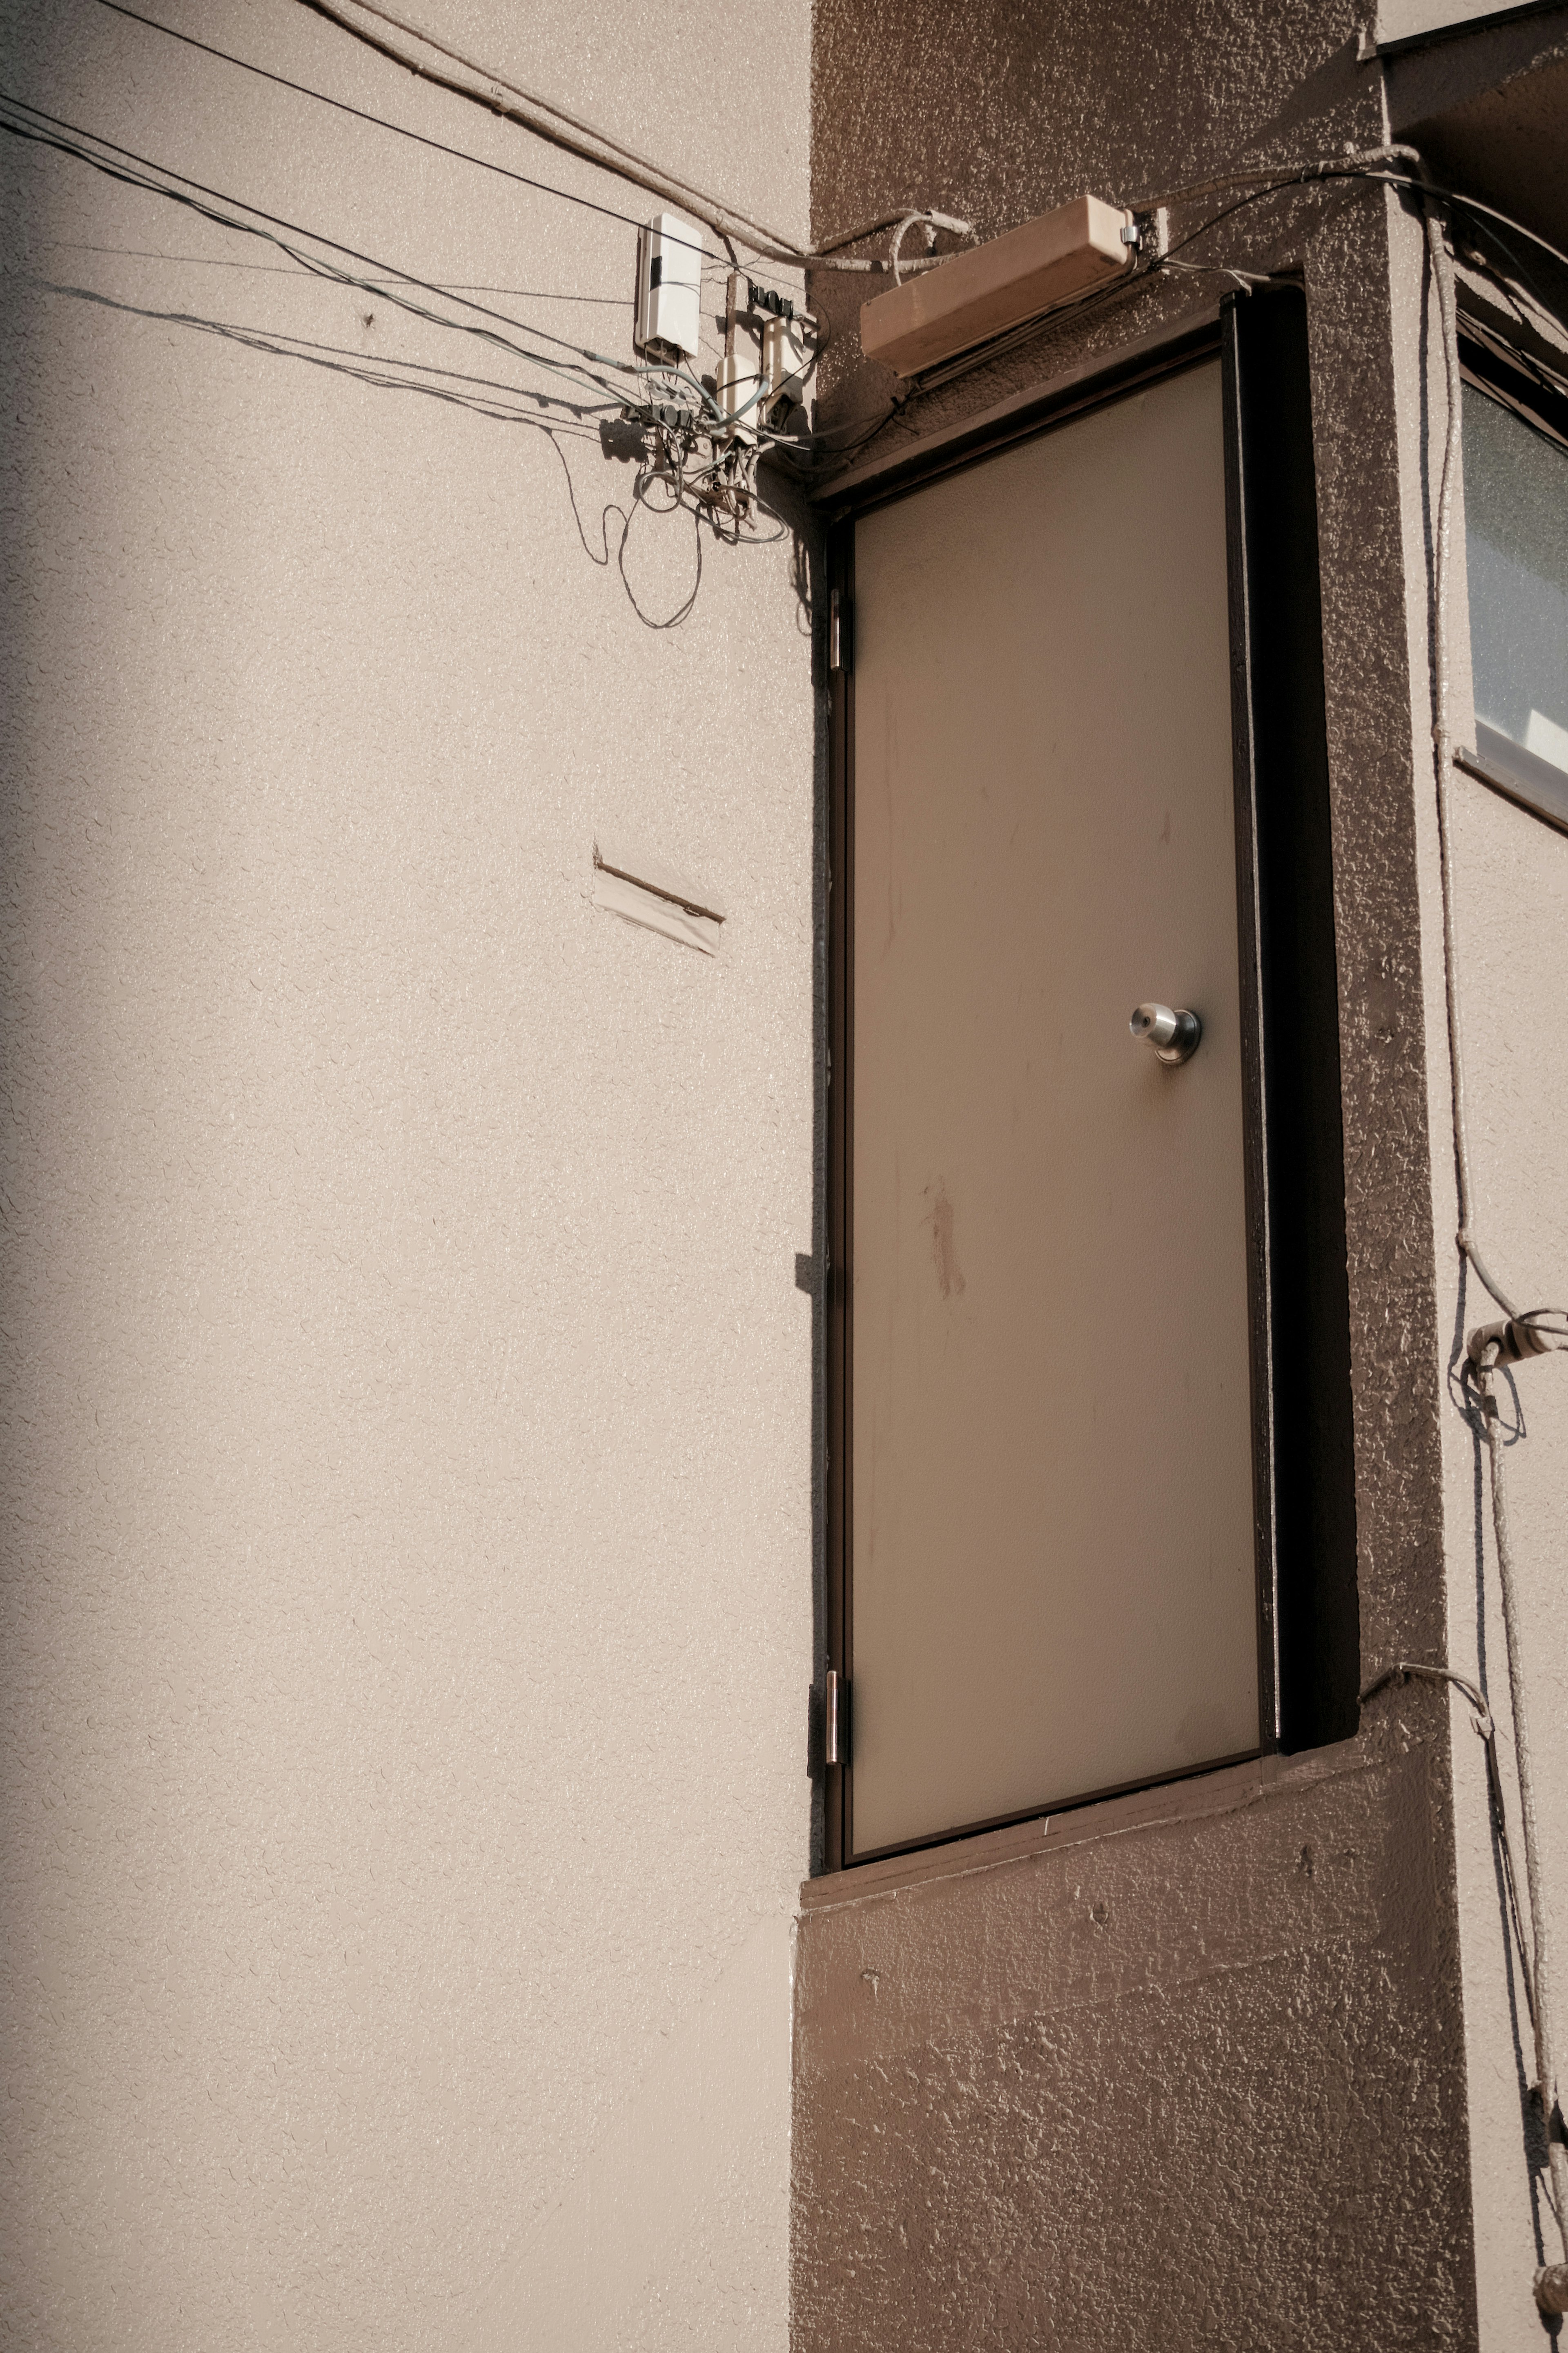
[(407, 1389), (1511, 919), (941, 2159), (1178, 2086)]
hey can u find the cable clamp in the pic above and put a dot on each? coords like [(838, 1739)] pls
[(1402, 1672), (1511, 1341)]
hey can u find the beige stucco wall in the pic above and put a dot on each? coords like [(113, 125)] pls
[(407, 1389), (1511, 914)]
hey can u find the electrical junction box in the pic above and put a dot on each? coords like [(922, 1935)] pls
[(669, 288), (785, 356), (740, 389), (989, 288), (767, 362)]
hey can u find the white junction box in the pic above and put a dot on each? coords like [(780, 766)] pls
[(785, 357), (767, 361), (669, 288), (741, 389)]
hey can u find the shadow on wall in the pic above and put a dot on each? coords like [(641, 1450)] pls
[(1532, 2123), (619, 441)]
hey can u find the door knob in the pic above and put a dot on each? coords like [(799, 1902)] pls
[(1171, 1031)]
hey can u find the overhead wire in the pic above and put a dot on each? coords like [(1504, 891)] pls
[(381, 121), (554, 123), (1531, 1334), (1544, 378), (465, 156), (119, 7), (1362, 164), (619, 157), (274, 270), (376, 369), (1257, 185), (134, 171), (1443, 740)]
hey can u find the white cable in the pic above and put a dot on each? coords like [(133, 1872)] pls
[(899, 235), (1551, 2281), (1443, 740)]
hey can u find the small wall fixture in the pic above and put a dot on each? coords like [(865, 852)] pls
[(667, 323), (1173, 1032), (646, 891)]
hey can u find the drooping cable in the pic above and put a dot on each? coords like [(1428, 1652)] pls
[(138, 171), (1358, 165), (1259, 185), (361, 114), (141, 172), (1486, 1350), (389, 372), (1442, 736), (1485, 1725), (1523, 1335)]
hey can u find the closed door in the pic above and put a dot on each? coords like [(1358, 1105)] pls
[(1049, 1523)]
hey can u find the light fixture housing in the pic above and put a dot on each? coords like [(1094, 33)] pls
[(992, 287)]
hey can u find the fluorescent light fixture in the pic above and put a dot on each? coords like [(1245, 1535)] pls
[(989, 288)]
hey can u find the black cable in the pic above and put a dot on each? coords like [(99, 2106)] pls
[(319, 268), (1319, 177), (1485, 229), (1325, 176), (544, 187), (363, 367), (271, 269), (1075, 306)]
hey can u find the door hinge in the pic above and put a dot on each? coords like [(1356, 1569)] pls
[(835, 1719), (840, 634)]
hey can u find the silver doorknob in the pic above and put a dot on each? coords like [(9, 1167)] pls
[(1172, 1030)]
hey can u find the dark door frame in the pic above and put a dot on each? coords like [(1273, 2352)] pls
[(1303, 1471)]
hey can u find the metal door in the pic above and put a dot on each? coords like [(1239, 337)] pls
[(1049, 1514)]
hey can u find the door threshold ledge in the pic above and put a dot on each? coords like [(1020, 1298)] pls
[(1224, 1789)]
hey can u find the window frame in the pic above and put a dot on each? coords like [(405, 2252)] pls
[(1491, 367)]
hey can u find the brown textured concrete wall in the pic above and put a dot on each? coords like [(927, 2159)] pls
[(407, 1388), (1171, 2076), (1018, 2122)]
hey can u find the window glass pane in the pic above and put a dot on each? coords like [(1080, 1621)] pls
[(1516, 528)]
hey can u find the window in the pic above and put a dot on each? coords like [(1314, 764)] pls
[(1516, 529)]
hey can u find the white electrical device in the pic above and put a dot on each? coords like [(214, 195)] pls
[(785, 358), (740, 390), (670, 284)]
